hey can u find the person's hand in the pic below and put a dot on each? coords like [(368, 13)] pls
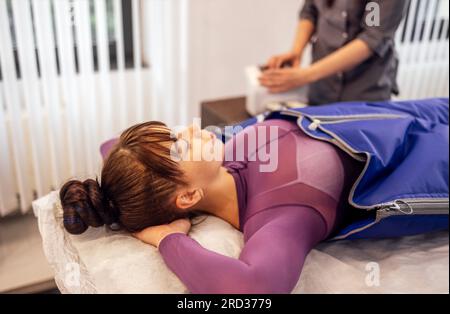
[(281, 80), (153, 235), (277, 61)]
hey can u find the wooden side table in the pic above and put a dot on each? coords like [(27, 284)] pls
[(223, 112)]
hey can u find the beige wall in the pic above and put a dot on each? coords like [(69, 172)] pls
[(224, 36)]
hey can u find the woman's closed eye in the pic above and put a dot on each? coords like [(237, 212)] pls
[(182, 146)]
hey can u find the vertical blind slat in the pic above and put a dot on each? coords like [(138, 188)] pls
[(118, 36), (423, 48), (412, 78), (183, 30), (31, 91), (155, 36), (409, 30), (137, 56), (104, 68), (47, 60), (8, 189), (88, 97), (13, 105), (443, 52), (169, 61), (66, 56)]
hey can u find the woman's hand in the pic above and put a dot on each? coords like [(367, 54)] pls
[(281, 80), (153, 235), (277, 61)]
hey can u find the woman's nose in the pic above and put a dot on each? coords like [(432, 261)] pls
[(195, 130)]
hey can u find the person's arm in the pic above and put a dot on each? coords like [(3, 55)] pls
[(373, 39), (305, 30), (380, 36), (270, 262), (306, 26), (343, 59)]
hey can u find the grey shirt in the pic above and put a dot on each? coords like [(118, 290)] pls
[(342, 22)]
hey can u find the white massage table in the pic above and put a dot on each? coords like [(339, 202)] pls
[(103, 261)]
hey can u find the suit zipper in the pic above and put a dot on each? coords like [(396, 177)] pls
[(424, 206)]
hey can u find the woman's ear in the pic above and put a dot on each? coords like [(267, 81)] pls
[(188, 198)]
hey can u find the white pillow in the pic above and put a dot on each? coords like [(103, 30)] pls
[(104, 261)]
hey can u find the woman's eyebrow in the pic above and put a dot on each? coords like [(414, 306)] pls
[(179, 135), (189, 144)]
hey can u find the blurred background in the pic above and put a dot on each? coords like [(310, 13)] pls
[(75, 73)]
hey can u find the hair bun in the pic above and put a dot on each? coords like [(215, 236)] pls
[(84, 206)]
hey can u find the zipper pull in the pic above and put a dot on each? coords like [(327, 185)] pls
[(399, 203), (400, 206), (314, 124)]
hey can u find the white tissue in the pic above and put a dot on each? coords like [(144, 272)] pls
[(259, 99)]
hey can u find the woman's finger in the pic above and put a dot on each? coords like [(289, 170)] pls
[(271, 81), (271, 62), (278, 89), (270, 84), (266, 82), (275, 72), (283, 87), (277, 61), (280, 62), (262, 78)]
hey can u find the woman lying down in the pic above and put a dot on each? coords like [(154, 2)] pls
[(154, 180)]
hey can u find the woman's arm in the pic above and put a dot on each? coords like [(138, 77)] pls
[(306, 26), (373, 39), (379, 35), (305, 29), (343, 59), (270, 262)]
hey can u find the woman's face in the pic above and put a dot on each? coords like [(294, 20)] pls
[(200, 155)]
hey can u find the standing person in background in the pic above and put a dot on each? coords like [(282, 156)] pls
[(353, 51)]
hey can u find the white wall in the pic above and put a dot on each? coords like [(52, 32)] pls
[(227, 35), (223, 37)]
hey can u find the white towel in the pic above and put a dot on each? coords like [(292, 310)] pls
[(103, 261)]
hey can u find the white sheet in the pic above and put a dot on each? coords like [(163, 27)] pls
[(102, 261)]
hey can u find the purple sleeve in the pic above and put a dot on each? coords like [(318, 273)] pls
[(106, 147), (270, 262)]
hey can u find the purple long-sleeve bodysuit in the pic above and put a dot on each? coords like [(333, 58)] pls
[(283, 214)]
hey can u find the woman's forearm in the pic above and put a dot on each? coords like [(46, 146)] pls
[(291, 232), (305, 30), (343, 59)]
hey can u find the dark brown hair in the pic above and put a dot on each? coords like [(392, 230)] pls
[(138, 181)]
